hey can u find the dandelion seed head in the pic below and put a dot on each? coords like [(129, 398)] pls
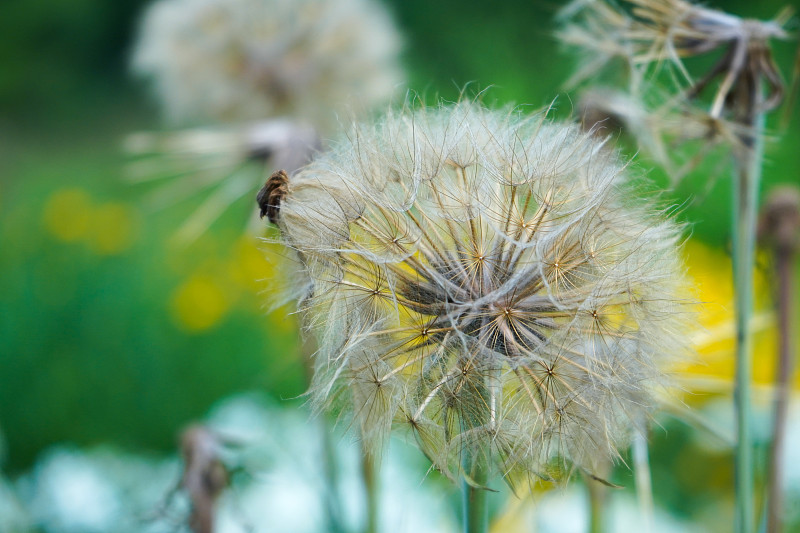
[(245, 60), (484, 280)]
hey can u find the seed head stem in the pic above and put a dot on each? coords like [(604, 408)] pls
[(748, 158), (329, 469), (643, 480), (598, 502), (476, 509), (476, 464), (370, 471)]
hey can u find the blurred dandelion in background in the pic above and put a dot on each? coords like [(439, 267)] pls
[(483, 280), (246, 60), (268, 76)]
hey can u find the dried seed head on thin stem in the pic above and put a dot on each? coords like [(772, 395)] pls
[(485, 280), (654, 39)]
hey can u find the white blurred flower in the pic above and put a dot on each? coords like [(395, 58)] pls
[(567, 512), (235, 60), (70, 493)]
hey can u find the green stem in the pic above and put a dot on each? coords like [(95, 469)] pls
[(643, 480), (598, 497), (329, 469), (597, 506), (475, 457), (745, 198), (370, 471), (476, 510), (332, 504)]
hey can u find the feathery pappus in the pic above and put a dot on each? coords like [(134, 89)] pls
[(486, 281)]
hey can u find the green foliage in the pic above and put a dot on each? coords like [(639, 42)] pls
[(89, 349)]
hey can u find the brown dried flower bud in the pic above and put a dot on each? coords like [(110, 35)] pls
[(780, 218), (270, 196)]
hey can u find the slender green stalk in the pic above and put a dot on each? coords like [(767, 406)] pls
[(475, 459), (332, 504), (370, 471), (476, 510), (598, 494), (745, 206), (643, 480), (330, 472), (598, 497)]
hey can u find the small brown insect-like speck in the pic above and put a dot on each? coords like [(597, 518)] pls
[(270, 196)]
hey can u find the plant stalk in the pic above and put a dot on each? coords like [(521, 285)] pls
[(643, 480), (782, 379), (749, 158), (370, 471), (475, 458), (598, 496), (476, 509), (782, 221), (329, 469)]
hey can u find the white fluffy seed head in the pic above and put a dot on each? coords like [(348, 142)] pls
[(244, 60), (484, 279)]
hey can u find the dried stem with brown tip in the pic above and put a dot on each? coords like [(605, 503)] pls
[(780, 229)]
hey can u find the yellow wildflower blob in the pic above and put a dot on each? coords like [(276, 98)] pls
[(283, 322), (113, 229), (199, 303), (713, 370), (67, 214), (247, 267)]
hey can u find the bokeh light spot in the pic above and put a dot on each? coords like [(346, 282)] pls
[(199, 303), (248, 267), (715, 338), (113, 229), (67, 214)]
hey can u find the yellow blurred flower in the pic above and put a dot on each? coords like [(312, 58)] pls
[(247, 267), (113, 229), (67, 214), (714, 340), (199, 303), (71, 216)]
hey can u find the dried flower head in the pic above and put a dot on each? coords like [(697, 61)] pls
[(234, 60), (655, 39), (485, 280)]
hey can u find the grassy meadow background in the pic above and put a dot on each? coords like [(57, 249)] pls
[(112, 334)]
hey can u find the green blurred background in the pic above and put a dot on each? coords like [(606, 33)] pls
[(108, 333)]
